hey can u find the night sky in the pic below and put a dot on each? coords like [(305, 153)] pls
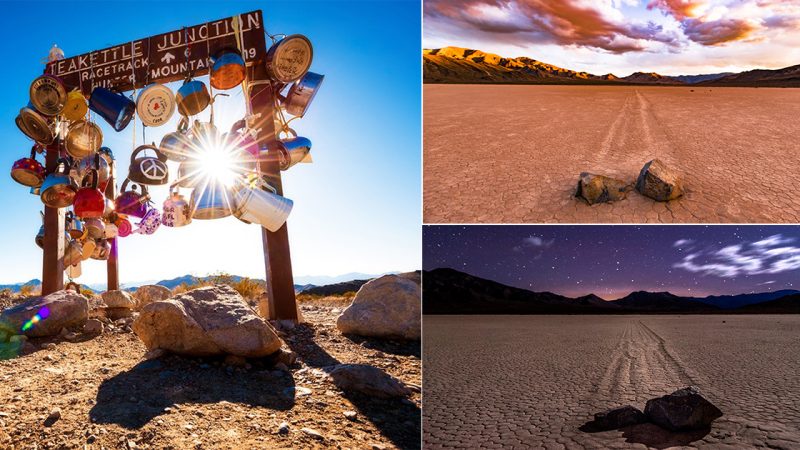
[(612, 261)]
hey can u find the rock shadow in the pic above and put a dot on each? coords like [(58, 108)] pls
[(390, 346), (651, 434), (398, 420), (133, 398)]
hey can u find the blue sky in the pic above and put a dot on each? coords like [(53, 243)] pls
[(357, 207)]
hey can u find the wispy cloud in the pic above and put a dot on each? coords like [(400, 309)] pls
[(534, 242), (682, 242), (750, 258)]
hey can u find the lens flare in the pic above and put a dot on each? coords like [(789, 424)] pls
[(40, 315)]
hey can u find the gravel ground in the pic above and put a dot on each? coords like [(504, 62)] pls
[(533, 381), (109, 397), (512, 154)]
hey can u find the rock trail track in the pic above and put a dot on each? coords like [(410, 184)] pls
[(512, 154), (533, 381)]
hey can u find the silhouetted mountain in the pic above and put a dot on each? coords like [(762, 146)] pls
[(650, 78), (448, 291), (692, 79), (737, 301), (784, 305), (35, 284), (786, 77)]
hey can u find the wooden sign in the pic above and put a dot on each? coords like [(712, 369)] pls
[(162, 58)]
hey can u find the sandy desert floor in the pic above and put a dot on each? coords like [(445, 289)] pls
[(533, 381), (512, 154), (110, 398)]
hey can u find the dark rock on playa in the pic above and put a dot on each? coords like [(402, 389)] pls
[(659, 182), (601, 189), (683, 410), (616, 418)]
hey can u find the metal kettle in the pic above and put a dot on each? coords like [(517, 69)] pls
[(212, 201), (148, 169), (83, 139), (132, 202), (58, 190), (89, 202), (177, 212)]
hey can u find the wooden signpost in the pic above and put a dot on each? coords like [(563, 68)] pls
[(171, 57)]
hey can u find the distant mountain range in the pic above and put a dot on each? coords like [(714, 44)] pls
[(448, 291), (463, 65)]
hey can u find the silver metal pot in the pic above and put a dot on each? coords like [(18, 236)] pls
[(212, 201), (302, 93)]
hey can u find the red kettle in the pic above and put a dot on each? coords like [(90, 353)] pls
[(89, 201)]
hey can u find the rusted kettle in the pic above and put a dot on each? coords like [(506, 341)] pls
[(28, 171), (148, 169), (176, 212), (83, 139), (58, 190), (89, 202), (176, 146), (132, 202)]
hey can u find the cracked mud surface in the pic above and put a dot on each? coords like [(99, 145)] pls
[(513, 154), (533, 381)]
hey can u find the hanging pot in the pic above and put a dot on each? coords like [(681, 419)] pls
[(177, 212), (132, 202), (176, 146), (28, 171), (124, 228), (155, 105), (212, 201), (102, 250), (94, 162), (40, 237), (302, 93), (205, 135), (258, 203), (83, 139), (106, 154), (48, 95), (116, 109), (95, 228), (89, 247), (73, 253), (35, 126), (75, 227), (76, 108), (148, 169), (58, 190), (74, 271), (227, 70), (149, 223), (293, 150), (188, 174), (89, 201), (289, 58), (192, 98)]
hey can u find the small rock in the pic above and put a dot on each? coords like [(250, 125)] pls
[(616, 418), (682, 410), (659, 182), (54, 415), (91, 439), (368, 380), (313, 433), (601, 189), (93, 327), (48, 358), (351, 415), (118, 299), (287, 358), (71, 336), (283, 428), (48, 346)]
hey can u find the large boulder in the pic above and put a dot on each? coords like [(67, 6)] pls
[(47, 315), (683, 410), (659, 182), (118, 299), (213, 320), (368, 380), (150, 293), (601, 189), (388, 306)]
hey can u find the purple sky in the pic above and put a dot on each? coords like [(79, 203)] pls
[(612, 261), (672, 37)]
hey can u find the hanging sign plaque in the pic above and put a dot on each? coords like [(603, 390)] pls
[(162, 58)]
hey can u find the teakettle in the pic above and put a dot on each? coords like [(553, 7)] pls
[(89, 201), (89, 246), (149, 223), (177, 146), (293, 150), (75, 227), (48, 95), (76, 108), (289, 58), (94, 162), (83, 139), (58, 190), (302, 93), (95, 228), (148, 169), (111, 231), (35, 126), (257, 202), (116, 109), (132, 202), (227, 70), (102, 250), (28, 171), (192, 98), (188, 174), (177, 212), (212, 201), (73, 253)]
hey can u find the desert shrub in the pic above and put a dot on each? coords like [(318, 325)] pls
[(26, 290), (180, 289), (248, 288), (6, 293), (88, 293)]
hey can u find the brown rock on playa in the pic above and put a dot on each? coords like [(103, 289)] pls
[(601, 189), (388, 306), (212, 320), (659, 182), (61, 309)]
